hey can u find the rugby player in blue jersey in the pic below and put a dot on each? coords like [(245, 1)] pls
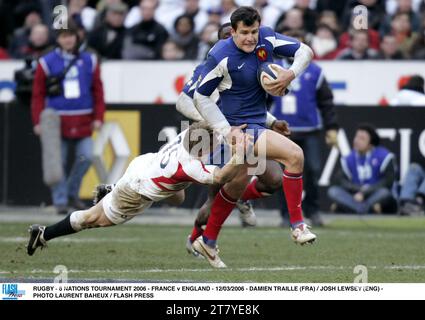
[(231, 67), (261, 186)]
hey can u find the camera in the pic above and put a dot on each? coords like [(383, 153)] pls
[(24, 79), (54, 86)]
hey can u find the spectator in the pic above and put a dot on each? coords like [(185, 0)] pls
[(108, 39), (214, 15), (375, 13), (403, 6), (82, 14), (411, 94), (269, 12), (368, 177), (373, 35), (102, 8), (330, 19), (37, 43), (20, 37), (412, 193), (391, 6), (337, 7), (145, 40), (80, 105), (390, 49), (208, 39), (228, 7), (417, 51), (199, 16), (172, 51), (359, 47), (401, 29), (309, 15), (292, 20), (324, 43), (185, 36), (309, 110)]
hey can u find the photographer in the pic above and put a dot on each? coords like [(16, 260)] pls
[(68, 81)]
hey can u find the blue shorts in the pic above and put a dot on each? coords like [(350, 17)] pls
[(255, 130), (221, 155)]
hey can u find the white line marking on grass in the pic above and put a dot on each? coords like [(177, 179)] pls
[(74, 240), (251, 269)]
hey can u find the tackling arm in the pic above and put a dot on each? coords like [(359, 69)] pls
[(229, 171)]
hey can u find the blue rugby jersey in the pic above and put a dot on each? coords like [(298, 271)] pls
[(234, 73), (366, 169), (190, 86)]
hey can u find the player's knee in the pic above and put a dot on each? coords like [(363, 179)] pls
[(80, 219), (296, 158), (333, 192), (91, 218), (274, 183)]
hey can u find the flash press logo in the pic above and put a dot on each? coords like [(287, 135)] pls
[(10, 291)]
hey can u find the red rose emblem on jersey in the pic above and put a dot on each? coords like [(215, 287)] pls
[(262, 54)]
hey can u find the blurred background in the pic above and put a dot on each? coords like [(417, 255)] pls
[(148, 50)]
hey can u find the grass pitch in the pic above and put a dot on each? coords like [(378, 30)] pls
[(392, 249)]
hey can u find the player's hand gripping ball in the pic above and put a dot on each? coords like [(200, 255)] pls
[(267, 73)]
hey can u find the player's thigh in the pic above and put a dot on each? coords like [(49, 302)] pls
[(275, 146), (176, 199), (124, 203)]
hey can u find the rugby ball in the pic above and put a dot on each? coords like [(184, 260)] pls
[(268, 72)]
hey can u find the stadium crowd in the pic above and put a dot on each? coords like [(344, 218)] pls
[(186, 29)]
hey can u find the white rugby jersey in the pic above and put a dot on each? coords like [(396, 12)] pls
[(160, 175)]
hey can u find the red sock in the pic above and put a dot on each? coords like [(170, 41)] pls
[(251, 192), (196, 232), (221, 208), (293, 189)]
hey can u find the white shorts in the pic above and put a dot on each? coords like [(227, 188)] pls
[(123, 203)]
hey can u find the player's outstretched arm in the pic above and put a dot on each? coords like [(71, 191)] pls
[(236, 162), (229, 171)]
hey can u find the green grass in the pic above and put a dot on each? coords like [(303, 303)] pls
[(392, 249)]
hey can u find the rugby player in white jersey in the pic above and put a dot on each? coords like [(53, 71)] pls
[(149, 178)]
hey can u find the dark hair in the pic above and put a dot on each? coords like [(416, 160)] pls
[(220, 32), (325, 26), (248, 15), (195, 135), (185, 16), (415, 83), (370, 129)]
